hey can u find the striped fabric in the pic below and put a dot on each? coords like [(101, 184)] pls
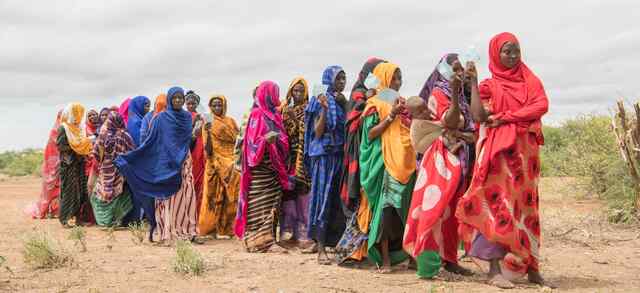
[(262, 212), (111, 213), (176, 216), (74, 202)]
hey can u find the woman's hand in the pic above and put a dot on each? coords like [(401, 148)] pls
[(492, 122), (322, 99), (207, 126), (271, 137), (397, 108), (471, 72)]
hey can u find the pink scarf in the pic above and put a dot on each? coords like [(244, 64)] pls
[(264, 118)]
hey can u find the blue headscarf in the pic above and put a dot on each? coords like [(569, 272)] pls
[(136, 114), (154, 168), (333, 138)]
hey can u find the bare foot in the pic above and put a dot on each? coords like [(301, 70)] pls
[(323, 259), (457, 269), (385, 269), (412, 265), (500, 282), (311, 250), (536, 278)]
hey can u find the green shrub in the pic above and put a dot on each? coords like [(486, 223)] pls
[(188, 260), (21, 163), (39, 252)]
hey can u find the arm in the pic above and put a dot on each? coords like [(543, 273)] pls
[(377, 130), (478, 112), (208, 147), (318, 127), (452, 116), (534, 110)]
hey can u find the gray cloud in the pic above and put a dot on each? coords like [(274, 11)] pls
[(100, 52)]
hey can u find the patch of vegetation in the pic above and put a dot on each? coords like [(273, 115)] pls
[(78, 235), (188, 261), (40, 252), (21, 163), (585, 147), (138, 231), (111, 238)]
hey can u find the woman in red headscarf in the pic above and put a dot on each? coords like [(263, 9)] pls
[(499, 213)]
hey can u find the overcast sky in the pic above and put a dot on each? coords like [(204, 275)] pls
[(586, 53)]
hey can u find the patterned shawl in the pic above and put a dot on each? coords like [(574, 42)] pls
[(293, 116)]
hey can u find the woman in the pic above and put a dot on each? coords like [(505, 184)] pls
[(104, 114), (123, 110), (295, 203), (324, 143), (387, 167), (160, 106), (138, 107), (432, 229), (73, 146), (221, 179), (111, 199), (197, 147), (499, 212), (160, 168), (264, 175), (93, 123), (47, 206), (353, 244)]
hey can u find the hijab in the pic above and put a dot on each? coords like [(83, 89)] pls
[(72, 118), (92, 128), (359, 89), (136, 114), (124, 110), (263, 119), (154, 168)]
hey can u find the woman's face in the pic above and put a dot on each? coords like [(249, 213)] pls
[(104, 115), (147, 107), (297, 92), (177, 101), (192, 105), (396, 80), (510, 55), (340, 82), (457, 68), (216, 107), (93, 117)]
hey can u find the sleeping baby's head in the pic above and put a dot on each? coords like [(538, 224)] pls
[(418, 108)]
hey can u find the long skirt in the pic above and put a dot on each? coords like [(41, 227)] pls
[(112, 213), (353, 244), (74, 201), (176, 216), (219, 201), (264, 198), (326, 217), (295, 216)]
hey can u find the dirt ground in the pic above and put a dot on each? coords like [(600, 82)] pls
[(581, 253)]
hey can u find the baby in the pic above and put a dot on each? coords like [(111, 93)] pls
[(424, 131)]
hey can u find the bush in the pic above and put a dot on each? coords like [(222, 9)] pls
[(188, 260), (40, 253), (585, 147), (21, 163)]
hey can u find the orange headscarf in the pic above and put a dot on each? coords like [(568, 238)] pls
[(223, 131), (71, 119), (397, 151), (160, 105)]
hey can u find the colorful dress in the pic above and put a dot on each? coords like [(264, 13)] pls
[(264, 174), (111, 200), (160, 169), (221, 179), (387, 172), (295, 203), (500, 211), (432, 228), (73, 146), (48, 204), (325, 154), (353, 244)]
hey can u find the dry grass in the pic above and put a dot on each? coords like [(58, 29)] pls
[(188, 261), (40, 252), (138, 232), (78, 235)]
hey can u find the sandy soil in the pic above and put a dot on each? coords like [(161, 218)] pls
[(582, 253)]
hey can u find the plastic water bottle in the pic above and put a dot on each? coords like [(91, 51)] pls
[(469, 55)]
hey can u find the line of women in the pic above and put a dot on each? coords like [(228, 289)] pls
[(375, 176)]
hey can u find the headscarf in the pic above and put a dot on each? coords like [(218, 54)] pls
[(154, 168), (333, 137), (223, 127), (145, 125), (517, 97), (288, 102), (112, 141), (124, 110), (436, 80), (264, 118), (359, 89), (397, 152), (160, 104), (293, 116), (90, 126), (136, 114), (105, 109), (72, 118)]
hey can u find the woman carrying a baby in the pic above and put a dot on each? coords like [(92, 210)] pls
[(442, 133)]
